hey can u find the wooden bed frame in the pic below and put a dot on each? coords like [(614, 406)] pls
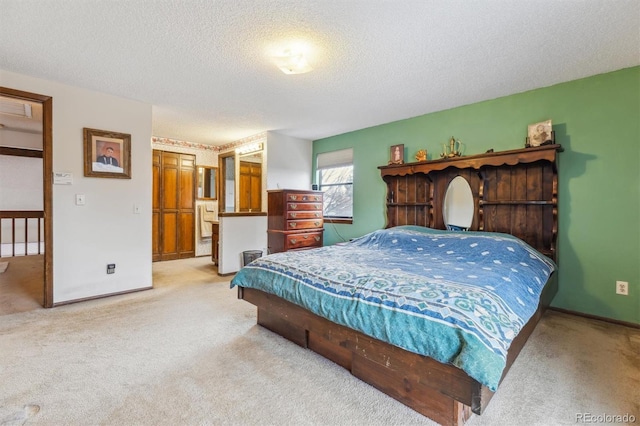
[(514, 192)]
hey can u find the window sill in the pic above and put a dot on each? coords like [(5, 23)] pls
[(342, 220)]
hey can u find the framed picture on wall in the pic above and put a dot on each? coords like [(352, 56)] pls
[(539, 134), (107, 154), (396, 154)]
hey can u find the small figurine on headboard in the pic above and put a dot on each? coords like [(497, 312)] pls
[(421, 155), (453, 150)]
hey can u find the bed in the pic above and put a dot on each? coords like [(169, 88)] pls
[(433, 318)]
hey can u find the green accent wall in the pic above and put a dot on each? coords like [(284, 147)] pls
[(595, 119)]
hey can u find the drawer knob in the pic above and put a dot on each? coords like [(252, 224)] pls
[(317, 214), (304, 198), (293, 241), (294, 206), (317, 238), (306, 237), (294, 214), (293, 224), (293, 197), (316, 223)]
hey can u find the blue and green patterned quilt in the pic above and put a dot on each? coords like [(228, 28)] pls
[(457, 297)]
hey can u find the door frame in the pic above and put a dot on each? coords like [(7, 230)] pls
[(222, 173), (47, 185)]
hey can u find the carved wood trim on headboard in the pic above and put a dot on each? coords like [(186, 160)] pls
[(515, 192)]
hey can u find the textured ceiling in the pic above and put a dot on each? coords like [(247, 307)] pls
[(204, 65)]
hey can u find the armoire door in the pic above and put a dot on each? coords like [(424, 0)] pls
[(250, 183), (174, 217), (186, 206), (170, 167)]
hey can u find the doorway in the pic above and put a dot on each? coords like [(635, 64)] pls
[(47, 190)]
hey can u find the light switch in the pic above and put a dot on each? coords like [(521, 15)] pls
[(79, 199), (136, 209)]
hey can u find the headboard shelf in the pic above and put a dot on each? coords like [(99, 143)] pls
[(511, 158), (408, 204), (514, 192), (516, 202)]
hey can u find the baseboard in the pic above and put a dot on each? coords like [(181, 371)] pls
[(102, 296), (595, 317)]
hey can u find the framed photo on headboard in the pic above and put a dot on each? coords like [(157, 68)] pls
[(396, 154), (539, 134)]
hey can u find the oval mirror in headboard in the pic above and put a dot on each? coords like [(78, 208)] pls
[(458, 209)]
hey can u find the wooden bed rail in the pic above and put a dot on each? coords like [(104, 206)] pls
[(441, 392), (23, 215)]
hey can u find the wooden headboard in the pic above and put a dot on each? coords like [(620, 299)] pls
[(514, 192)]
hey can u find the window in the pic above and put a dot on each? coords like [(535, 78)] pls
[(335, 180)]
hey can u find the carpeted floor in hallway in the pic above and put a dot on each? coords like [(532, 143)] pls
[(22, 284)]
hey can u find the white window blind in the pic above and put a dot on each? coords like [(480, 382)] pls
[(335, 178), (327, 160)]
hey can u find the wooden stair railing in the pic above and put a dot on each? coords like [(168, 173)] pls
[(17, 215)]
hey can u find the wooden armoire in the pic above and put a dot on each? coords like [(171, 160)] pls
[(174, 183), (250, 176)]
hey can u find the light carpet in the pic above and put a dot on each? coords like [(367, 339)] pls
[(3, 266), (189, 353), (22, 285)]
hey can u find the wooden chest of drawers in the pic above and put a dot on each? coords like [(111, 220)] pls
[(294, 220)]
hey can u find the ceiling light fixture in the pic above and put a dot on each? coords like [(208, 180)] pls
[(292, 62)]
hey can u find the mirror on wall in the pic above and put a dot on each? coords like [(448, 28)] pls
[(207, 188), (241, 180), (458, 208)]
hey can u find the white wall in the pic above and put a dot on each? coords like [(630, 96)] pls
[(105, 230), (238, 234), (20, 189), (289, 162), (20, 183), (24, 140)]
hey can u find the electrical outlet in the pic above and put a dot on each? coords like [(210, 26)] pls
[(111, 268), (622, 287)]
